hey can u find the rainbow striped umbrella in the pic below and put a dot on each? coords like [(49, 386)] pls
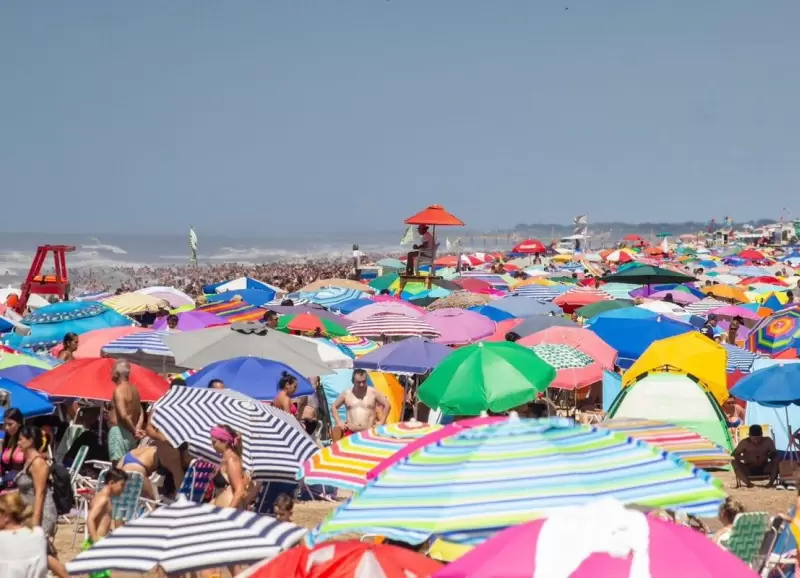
[(360, 346), (346, 463), (392, 325), (776, 333), (234, 311), (496, 475), (681, 442)]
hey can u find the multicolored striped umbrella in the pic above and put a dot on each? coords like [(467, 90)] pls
[(329, 296), (681, 442), (776, 333), (346, 463), (136, 303), (234, 311), (392, 325), (360, 346), (497, 475)]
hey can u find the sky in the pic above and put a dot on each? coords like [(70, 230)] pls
[(285, 115)]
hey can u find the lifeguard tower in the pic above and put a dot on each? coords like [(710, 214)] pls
[(433, 216), (40, 284)]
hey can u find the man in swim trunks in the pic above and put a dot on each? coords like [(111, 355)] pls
[(360, 402), (127, 417)]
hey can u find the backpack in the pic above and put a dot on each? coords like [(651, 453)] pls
[(61, 482)]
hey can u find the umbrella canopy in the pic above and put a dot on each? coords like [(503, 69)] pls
[(776, 334), (648, 275), (253, 376), (682, 298), (595, 309), (533, 324), (499, 474), (541, 292), (413, 355), (310, 323), (184, 537), (200, 348), (16, 359), (578, 297), (351, 305), (274, 444), (175, 297), (530, 247), (577, 542), (359, 346), (577, 337), (574, 369), (459, 326), (396, 306), (486, 376), (146, 348), (434, 215), (333, 355), (242, 283), (392, 325), (337, 284), (29, 402), (234, 311), (192, 321), (253, 297), (461, 300), (492, 313), (690, 353), (775, 385), (21, 373), (346, 463), (519, 306), (332, 296), (136, 303), (350, 559), (727, 292), (314, 309), (91, 379)]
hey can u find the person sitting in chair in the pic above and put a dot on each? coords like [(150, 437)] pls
[(756, 456), (425, 249)]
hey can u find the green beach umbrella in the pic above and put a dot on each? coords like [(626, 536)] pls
[(13, 359), (384, 281), (589, 311), (648, 275), (486, 376), (308, 323)]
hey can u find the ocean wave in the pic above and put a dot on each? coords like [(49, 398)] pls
[(98, 245)]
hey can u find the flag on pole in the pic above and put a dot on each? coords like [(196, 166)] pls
[(192, 246), (580, 220), (408, 237)]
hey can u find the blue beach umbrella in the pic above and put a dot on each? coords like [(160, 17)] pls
[(255, 377), (491, 312), (254, 297), (29, 402), (330, 296), (776, 386), (524, 306), (347, 307), (412, 355), (21, 373)]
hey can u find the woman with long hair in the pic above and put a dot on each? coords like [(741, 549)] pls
[(12, 458), (232, 480), (70, 346), (287, 386)]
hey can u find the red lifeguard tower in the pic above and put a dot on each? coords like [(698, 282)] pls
[(433, 216), (37, 283)]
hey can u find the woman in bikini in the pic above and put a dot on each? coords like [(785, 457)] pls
[(287, 386), (144, 461), (231, 479), (12, 458)]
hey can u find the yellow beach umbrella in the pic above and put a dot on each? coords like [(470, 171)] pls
[(135, 303), (727, 292), (388, 385), (689, 353)]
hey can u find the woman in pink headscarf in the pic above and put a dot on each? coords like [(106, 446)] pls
[(231, 480)]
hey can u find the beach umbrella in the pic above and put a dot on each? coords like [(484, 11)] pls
[(599, 539), (16, 359), (313, 309), (620, 256), (351, 305), (647, 275), (21, 373), (136, 303), (739, 359), (51, 323), (196, 349), (774, 386), (336, 284), (705, 306), (274, 444), (351, 559), (91, 379), (499, 474), (91, 343), (491, 313), (30, 403), (392, 325), (413, 355), (752, 255), (146, 348), (541, 292), (459, 326), (574, 369), (595, 309), (359, 346), (461, 300), (191, 321), (254, 297), (346, 463), (727, 293), (184, 537), (619, 290), (533, 324), (776, 334), (394, 306), (391, 263), (384, 281), (333, 355), (577, 337), (310, 323), (242, 283), (578, 297), (530, 247), (664, 308), (519, 306), (235, 311), (504, 327), (253, 376), (175, 297), (486, 376), (331, 296)]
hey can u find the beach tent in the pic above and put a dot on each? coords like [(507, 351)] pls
[(689, 353), (674, 398), (242, 283), (335, 383)]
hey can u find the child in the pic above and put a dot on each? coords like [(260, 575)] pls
[(98, 522), (283, 507)]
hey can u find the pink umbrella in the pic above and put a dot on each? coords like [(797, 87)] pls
[(91, 342), (679, 297), (459, 326), (394, 306), (599, 539), (192, 321), (581, 339), (734, 310)]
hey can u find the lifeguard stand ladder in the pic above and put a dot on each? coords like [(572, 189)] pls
[(39, 284)]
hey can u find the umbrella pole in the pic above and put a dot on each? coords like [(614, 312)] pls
[(793, 447)]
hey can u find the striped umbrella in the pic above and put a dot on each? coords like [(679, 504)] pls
[(146, 343), (619, 290), (500, 474), (184, 537), (234, 311), (578, 297), (346, 463), (392, 325), (681, 442), (541, 292), (739, 359), (358, 345), (329, 296), (776, 333), (273, 442), (136, 303), (703, 306)]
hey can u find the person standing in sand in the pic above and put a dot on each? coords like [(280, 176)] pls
[(360, 402), (127, 416)]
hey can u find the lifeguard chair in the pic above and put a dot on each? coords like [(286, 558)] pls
[(39, 284), (432, 216)]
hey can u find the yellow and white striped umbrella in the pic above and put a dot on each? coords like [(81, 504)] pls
[(135, 303)]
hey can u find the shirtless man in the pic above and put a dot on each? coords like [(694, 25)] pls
[(361, 403), (98, 522), (127, 417)]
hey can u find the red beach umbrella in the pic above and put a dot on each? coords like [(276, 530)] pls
[(435, 215), (530, 247), (752, 255), (91, 379)]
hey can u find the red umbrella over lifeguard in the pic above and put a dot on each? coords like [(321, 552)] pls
[(427, 220)]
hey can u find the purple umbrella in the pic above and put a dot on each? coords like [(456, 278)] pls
[(680, 297), (191, 321), (317, 310), (459, 326), (412, 355)]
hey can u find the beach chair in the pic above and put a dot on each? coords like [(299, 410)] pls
[(74, 478), (69, 437), (747, 537), (129, 504), (764, 556), (742, 432), (196, 480)]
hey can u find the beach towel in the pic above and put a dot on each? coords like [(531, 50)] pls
[(88, 543), (120, 442)]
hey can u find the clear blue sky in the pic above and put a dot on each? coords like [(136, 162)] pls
[(269, 114)]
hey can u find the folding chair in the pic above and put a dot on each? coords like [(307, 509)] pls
[(196, 480), (747, 537)]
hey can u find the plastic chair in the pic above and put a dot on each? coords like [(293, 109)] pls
[(196, 480), (747, 537)]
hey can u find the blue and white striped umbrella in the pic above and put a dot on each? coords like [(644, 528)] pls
[(146, 342), (328, 296), (619, 290), (703, 306), (739, 359), (274, 445), (541, 292), (185, 537)]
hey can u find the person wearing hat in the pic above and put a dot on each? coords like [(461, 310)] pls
[(711, 324)]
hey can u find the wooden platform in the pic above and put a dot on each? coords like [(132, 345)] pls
[(426, 279)]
